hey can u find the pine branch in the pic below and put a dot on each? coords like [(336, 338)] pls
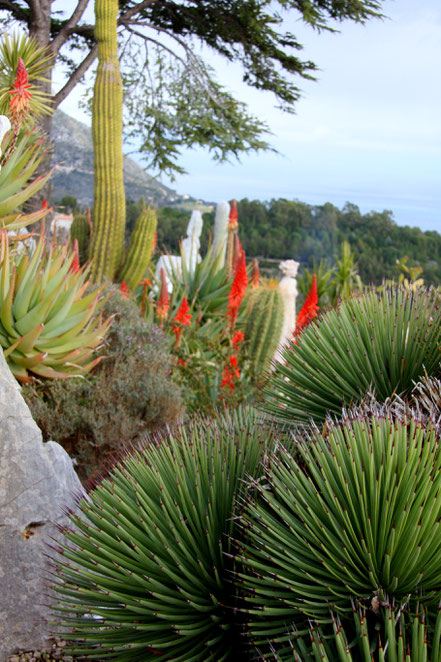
[(76, 76), (68, 26)]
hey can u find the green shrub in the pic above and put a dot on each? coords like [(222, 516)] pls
[(130, 393), (378, 342), (147, 569), (357, 516)]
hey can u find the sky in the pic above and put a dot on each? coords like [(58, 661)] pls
[(368, 131)]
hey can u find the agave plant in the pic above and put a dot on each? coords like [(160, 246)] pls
[(48, 326), (357, 516), (388, 634), (146, 571), (377, 342)]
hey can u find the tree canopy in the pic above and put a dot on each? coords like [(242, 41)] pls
[(283, 229), (172, 97)]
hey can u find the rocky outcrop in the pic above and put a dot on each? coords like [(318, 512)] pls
[(36, 480), (73, 161)]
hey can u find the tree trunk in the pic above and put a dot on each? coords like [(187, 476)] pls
[(39, 28)]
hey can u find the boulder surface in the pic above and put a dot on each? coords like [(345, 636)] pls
[(36, 481)]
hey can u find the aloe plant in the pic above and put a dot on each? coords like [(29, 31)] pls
[(48, 325), (36, 59), (15, 185), (356, 516), (378, 342), (147, 569)]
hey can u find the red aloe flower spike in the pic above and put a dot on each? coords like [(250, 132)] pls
[(181, 319), (237, 339), (231, 374), (75, 266), (237, 251), (255, 274), (20, 95), (123, 289), (182, 316), (237, 291), (309, 309), (44, 206), (163, 302), (234, 216)]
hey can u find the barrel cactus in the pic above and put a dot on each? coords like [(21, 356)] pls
[(263, 320), (48, 326), (142, 243)]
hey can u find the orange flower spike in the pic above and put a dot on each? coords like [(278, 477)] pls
[(237, 339), (20, 94), (123, 289), (163, 301), (255, 274), (233, 220), (75, 266), (181, 319), (309, 309), (182, 315), (237, 291), (237, 251), (231, 374)]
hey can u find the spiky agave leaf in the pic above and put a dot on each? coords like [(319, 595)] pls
[(357, 515), (391, 633), (148, 559), (377, 342), (48, 327)]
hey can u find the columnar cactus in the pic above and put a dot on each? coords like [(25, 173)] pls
[(264, 320), (107, 243), (80, 230), (142, 243)]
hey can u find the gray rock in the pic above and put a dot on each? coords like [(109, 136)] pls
[(36, 480)]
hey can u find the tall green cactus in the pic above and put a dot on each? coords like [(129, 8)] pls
[(142, 243), (263, 325), (80, 230), (107, 243)]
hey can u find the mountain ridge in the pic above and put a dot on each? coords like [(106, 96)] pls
[(73, 163)]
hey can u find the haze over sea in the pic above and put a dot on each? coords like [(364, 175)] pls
[(368, 131)]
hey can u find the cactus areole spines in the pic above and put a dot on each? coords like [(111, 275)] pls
[(107, 243)]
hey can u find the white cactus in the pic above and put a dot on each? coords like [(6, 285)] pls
[(220, 233)]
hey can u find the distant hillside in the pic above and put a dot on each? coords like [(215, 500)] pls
[(73, 158)]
